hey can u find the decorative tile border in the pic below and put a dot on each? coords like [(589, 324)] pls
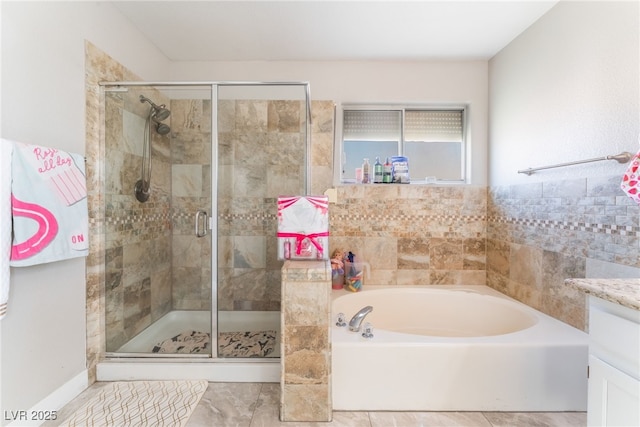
[(614, 229), (359, 217), (246, 216), (407, 217), (134, 219)]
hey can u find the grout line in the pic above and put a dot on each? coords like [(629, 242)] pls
[(485, 417), (369, 417), (255, 405)]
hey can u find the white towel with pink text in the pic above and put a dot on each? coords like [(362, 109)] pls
[(6, 148), (48, 205)]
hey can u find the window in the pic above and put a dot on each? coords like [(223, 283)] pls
[(432, 139)]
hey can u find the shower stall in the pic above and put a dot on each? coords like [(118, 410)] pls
[(192, 172)]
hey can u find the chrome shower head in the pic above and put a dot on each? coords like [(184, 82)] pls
[(158, 112), (162, 128)]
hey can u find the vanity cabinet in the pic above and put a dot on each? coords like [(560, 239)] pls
[(614, 364)]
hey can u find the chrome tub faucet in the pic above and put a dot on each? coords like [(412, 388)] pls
[(356, 320)]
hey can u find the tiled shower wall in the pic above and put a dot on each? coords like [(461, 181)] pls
[(138, 235), (153, 261), (542, 233), (190, 176), (261, 153)]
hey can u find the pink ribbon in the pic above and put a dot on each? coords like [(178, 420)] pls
[(320, 202), (300, 237)]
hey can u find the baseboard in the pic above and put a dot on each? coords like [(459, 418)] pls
[(47, 407)]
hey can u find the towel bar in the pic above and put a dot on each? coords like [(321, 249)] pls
[(623, 157)]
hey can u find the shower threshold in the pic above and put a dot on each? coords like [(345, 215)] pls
[(135, 361)]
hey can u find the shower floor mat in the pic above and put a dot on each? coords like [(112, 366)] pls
[(188, 342), (230, 344), (140, 403)]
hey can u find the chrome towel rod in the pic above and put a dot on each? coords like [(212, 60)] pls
[(623, 157)]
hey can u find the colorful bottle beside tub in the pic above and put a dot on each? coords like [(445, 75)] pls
[(287, 249), (305, 248)]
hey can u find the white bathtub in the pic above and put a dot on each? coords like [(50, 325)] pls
[(455, 348)]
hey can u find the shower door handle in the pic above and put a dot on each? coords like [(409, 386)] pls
[(201, 223)]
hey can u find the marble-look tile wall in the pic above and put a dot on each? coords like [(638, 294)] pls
[(261, 152), (413, 234), (98, 67), (191, 191), (542, 233), (322, 140), (137, 235), (305, 346)]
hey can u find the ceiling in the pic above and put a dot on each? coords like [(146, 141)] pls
[(325, 30)]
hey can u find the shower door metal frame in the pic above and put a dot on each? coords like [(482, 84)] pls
[(213, 218)]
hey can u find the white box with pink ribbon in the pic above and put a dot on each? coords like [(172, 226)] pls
[(303, 227)]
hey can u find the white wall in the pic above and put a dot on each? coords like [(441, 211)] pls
[(42, 340), (566, 89), (377, 82)]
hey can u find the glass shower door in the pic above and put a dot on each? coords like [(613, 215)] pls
[(261, 154), (158, 247)]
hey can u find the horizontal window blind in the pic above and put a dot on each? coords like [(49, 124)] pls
[(433, 126), (366, 125)]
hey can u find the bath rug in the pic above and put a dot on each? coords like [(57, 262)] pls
[(140, 403), (246, 344), (188, 342)]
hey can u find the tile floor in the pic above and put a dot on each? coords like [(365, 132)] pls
[(257, 405)]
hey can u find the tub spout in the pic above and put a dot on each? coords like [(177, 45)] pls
[(356, 320)]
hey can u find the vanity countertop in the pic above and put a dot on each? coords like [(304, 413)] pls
[(625, 292)]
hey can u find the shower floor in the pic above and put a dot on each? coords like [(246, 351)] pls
[(175, 322)]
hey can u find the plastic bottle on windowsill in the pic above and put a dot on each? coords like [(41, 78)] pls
[(366, 172), (386, 172), (377, 171)]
